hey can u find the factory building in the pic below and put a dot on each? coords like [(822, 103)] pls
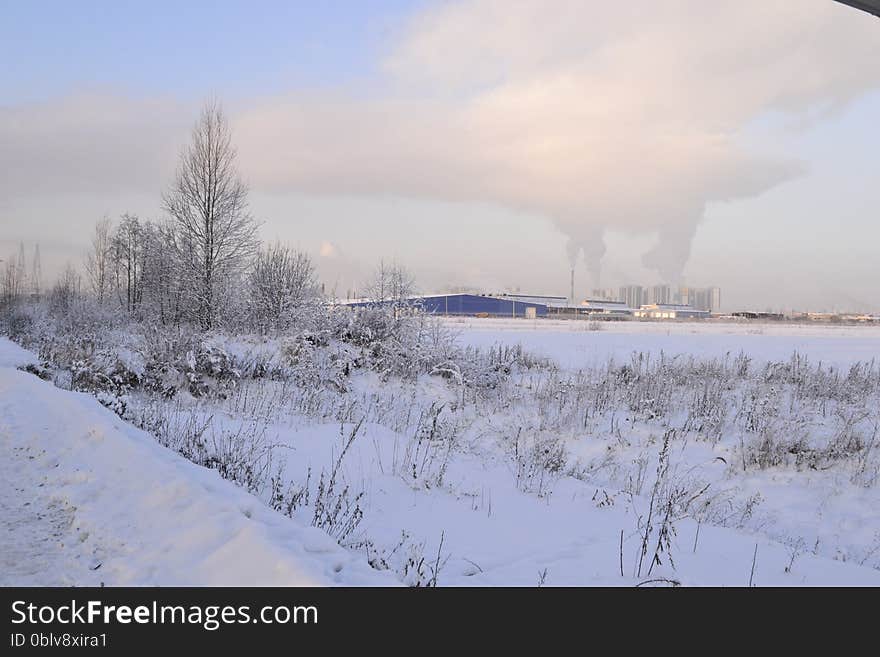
[(607, 308), (669, 311), (752, 314), (471, 305), (549, 301), (534, 306)]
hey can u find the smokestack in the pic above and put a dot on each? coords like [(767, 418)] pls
[(571, 297)]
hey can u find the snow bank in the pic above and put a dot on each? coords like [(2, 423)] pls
[(135, 513), (11, 355)]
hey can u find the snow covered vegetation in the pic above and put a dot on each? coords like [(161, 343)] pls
[(434, 462), (194, 411)]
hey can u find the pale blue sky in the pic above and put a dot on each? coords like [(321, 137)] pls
[(160, 47), (79, 77)]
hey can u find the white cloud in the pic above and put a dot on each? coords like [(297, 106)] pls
[(597, 115)]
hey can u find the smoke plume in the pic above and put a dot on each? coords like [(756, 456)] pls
[(597, 115)]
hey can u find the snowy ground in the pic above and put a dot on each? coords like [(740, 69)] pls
[(572, 344), (88, 499), (81, 487)]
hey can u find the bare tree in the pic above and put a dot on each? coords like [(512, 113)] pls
[(66, 290), (14, 282), (36, 272), (127, 246), (160, 289), (214, 233), (97, 261), (282, 282), (390, 283)]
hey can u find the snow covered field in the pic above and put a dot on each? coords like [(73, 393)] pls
[(699, 467), (573, 344)]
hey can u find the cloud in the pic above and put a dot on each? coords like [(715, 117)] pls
[(89, 143), (595, 114)]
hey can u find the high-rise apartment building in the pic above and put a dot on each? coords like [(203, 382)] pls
[(633, 295), (660, 294), (605, 293), (702, 298)]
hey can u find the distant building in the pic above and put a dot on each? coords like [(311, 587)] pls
[(670, 311), (540, 299), (757, 314), (606, 308), (702, 298), (605, 294), (683, 296), (660, 294), (472, 305), (715, 299), (632, 295)]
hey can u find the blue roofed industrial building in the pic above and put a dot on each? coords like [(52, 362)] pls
[(534, 306), (472, 305)]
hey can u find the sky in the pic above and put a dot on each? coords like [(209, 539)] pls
[(485, 144)]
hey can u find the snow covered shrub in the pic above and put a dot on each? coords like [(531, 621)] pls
[(37, 370), (767, 450), (398, 341), (759, 408), (649, 386), (184, 359), (486, 372), (16, 321), (850, 441), (116, 402), (426, 456), (239, 453), (867, 464), (263, 366), (212, 360), (414, 572), (300, 355), (85, 319), (337, 510), (673, 498), (237, 449), (171, 365), (367, 326), (726, 508), (707, 410), (208, 370), (540, 460), (288, 498), (407, 559), (87, 376), (310, 361)]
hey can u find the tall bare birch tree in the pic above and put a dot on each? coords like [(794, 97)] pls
[(215, 235), (97, 262)]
